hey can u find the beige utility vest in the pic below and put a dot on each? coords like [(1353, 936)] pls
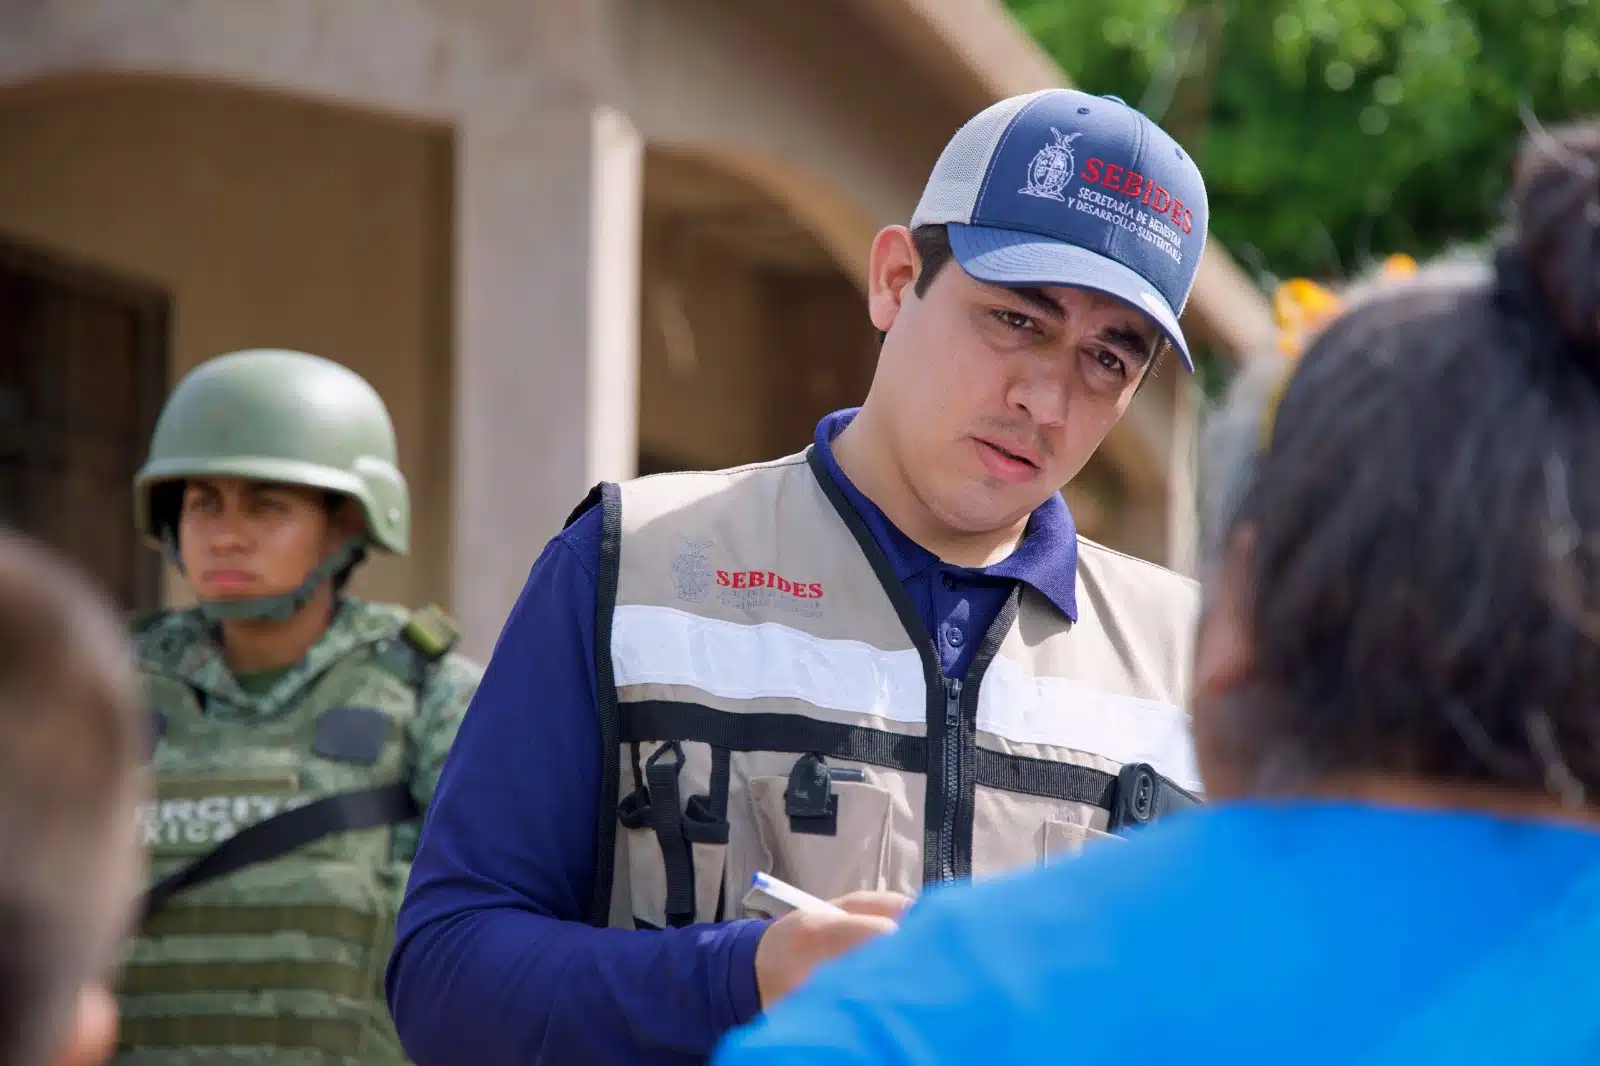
[(772, 701)]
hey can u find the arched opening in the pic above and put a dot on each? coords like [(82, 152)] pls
[(749, 330), (253, 219)]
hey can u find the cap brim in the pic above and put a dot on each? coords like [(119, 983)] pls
[(1012, 258)]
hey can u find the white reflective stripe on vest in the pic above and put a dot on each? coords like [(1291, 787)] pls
[(666, 646)]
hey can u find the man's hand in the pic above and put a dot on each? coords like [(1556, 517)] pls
[(795, 944)]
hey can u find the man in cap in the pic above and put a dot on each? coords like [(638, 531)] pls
[(300, 728), (884, 663)]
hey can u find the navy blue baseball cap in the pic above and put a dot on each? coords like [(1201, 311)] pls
[(1060, 187)]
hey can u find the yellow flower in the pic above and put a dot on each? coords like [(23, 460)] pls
[(1398, 265), (1301, 307)]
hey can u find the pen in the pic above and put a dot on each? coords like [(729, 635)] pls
[(788, 895)]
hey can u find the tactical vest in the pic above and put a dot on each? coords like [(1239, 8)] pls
[(280, 961), (772, 701)]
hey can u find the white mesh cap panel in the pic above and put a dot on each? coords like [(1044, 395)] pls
[(951, 194)]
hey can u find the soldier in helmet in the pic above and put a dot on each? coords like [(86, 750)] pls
[(299, 731)]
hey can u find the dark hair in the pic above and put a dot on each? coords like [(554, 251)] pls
[(334, 502), (932, 242), (72, 740), (1425, 588), (933, 249)]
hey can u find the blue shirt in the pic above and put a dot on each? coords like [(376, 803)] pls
[(492, 962), (1312, 933)]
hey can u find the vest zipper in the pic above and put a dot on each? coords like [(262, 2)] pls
[(953, 777), (952, 756)]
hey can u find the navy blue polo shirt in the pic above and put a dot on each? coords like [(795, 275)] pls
[(492, 960)]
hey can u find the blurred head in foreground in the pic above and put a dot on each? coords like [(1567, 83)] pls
[(71, 748), (1403, 533)]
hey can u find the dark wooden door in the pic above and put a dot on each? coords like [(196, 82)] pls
[(83, 369)]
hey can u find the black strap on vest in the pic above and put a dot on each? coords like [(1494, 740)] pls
[(706, 817), (666, 818), (419, 647), (1136, 795), (283, 833), (703, 820)]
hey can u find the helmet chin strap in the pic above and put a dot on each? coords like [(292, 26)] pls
[(281, 607)]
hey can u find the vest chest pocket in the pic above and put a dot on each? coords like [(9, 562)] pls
[(1064, 840), (823, 829)]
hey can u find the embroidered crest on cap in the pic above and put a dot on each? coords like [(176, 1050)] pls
[(1051, 168)]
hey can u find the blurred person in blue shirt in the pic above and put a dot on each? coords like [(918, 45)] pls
[(1397, 715)]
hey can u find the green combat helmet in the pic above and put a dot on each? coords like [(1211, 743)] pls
[(285, 417)]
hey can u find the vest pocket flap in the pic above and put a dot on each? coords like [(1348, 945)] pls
[(351, 734), (1062, 840), (826, 864)]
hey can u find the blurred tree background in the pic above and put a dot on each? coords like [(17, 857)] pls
[(1333, 132)]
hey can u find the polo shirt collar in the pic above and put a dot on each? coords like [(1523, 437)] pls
[(1046, 559)]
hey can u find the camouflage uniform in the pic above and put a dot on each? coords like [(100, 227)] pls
[(281, 962)]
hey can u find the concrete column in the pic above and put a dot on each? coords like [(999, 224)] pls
[(547, 243), (1183, 520), (1156, 441)]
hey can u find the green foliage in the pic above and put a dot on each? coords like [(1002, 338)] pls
[(1332, 132)]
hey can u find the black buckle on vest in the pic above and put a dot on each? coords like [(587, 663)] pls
[(634, 810), (809, 801), (1137, 798), (705, 816)]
